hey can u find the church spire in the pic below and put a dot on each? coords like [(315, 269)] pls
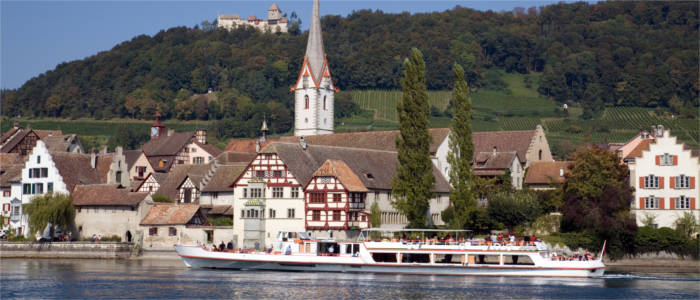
[(315, 55)]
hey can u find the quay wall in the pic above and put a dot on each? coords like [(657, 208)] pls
[(104, 250)]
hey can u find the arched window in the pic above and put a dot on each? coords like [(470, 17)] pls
[(324, 102), (540, 153), (306, 102)]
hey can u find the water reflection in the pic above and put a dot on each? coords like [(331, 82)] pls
[(156, 278)]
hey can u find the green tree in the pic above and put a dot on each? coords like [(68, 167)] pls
[(687, 224), (414, 176), (375, 215), (161, 198), (128, 137), (50, 209), (596, 199), (460, 156), (514, 208)]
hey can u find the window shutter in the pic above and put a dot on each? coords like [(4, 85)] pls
[(692, 203), (692, 182), (641, 203), (673, 203), (641, 182), (675, 160), (658, 160), (661, 182), (661, 202), (672, 182)]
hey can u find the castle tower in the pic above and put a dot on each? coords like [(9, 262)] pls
[(313, 91), (274, 12)]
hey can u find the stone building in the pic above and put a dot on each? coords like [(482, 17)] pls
[(108, 210), (168, 224), (275, 21)]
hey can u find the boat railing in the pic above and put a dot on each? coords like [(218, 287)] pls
[(460, 242)]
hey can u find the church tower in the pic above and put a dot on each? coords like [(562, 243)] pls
[(313, 92)]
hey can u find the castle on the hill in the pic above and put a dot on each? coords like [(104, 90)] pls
[(274, 22)]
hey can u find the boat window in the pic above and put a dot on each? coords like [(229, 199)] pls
[(328, 249), (518, 260), (487, 259), (415, 258), (449, 258), (384, 257)]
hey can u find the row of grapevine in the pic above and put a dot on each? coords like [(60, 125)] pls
[(383, 102), (519, 123)]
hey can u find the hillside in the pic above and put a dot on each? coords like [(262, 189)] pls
[(592, 55)]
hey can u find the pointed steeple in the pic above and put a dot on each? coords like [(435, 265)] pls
[(315, 55)]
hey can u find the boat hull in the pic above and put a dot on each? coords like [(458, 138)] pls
[(197, 257)]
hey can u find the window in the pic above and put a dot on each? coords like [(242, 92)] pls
[(324, 102), (242, 213), (26, 189), (15, 210), (682, 182), (682, 202), (256, 193), (290, 213), (6, 193), (317, 197), (49, 187), (277, 174), (172, 231), (651, 202), (141, 171), (198, 160), (210, 158), (118, 176), (540, 154), (268, 155), (316, 215), (336, 215), (651, 182), (245, 193), (38, 188), (337, 197), (193, 150), (666, 159), (44, 172), (277, 192), (30, 173), (306, 98), (214, 195), (153, 231), (295, 192), (259, 174), (38, 159), (272, 213)]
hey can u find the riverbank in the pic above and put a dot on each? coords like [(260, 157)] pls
[(100, 250), (671, 264)]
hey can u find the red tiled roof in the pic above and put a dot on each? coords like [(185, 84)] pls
[(546, 172), (44, 133), (642, 146), (229, 157), (104, 161), (131, 156), (75, 169), (210, 148), (60, 142), (167, 145), (377, 140), (223, 177), (105, 195), (12, 141), (170, 214), (340, 170), (246, 145), (518, 141)]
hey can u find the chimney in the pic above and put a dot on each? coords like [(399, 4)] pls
[(93, 159), (302, 142), (201, 136), (494, 150), (119, 150), (561, 172), (171, 131), (257, 146), (15, 125), (659, 130)]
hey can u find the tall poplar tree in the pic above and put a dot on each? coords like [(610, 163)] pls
[(414, 176), (460, 155)]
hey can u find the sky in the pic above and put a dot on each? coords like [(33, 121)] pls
[(35, 36)]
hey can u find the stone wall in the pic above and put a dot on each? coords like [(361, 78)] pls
[(65, 250)]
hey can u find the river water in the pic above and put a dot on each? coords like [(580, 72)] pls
[(168, 278)]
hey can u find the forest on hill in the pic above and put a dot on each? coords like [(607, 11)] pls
[(589, 55)]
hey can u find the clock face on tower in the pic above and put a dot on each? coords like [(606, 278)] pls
[(154, 131)]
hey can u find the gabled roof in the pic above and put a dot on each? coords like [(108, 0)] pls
[(169, 187), (75, 169), (245, 145), (490, 163), (7, 134), (223, 177), (11, 165), (229, 157), (44, 133), (518, 141), (60, 142), (340, 170), (637, 151), (105, 195), (375, 168), (104, 161), (546, 172), (210, 148), (13, 140), (167, 145), (377, 140), (171, 214), (131, 156)]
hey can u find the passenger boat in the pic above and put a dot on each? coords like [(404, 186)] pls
[(296, 251)]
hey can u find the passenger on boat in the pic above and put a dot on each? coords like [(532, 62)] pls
[(229, 246), (222, 246), (288, 251)]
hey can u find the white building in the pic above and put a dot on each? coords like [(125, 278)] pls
[(275, 22), (11, 165), (314, 89), (664, 175)]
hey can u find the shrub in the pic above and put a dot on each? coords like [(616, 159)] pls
[(161, 198), (222, 221)]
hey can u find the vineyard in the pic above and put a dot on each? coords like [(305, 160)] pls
[(383, 103)]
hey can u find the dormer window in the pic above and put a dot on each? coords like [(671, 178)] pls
[(369, 175)]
